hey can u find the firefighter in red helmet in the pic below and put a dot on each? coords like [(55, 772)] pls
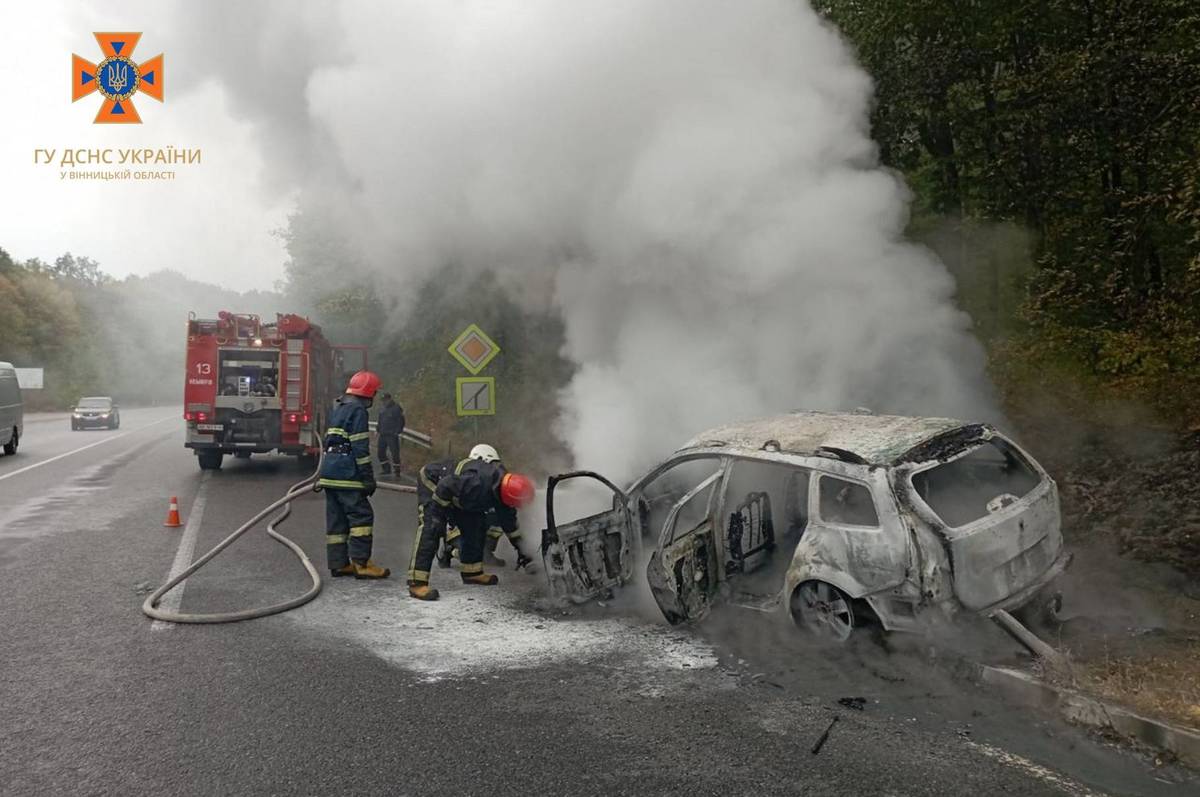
[(462, 495), (349, 481)]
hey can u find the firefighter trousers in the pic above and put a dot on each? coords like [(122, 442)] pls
[(349, 526), (472, 527)]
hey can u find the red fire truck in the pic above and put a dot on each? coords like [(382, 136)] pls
[(254, 387)]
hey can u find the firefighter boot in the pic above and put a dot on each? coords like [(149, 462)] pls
[(341, 572), (422, 591), (489, 553), (365, 568), (480, 579)]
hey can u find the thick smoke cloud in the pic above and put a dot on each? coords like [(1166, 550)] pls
[(692, 182)]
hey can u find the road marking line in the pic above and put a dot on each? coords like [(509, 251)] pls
[(19, 471), (183, 557), (1047, 776)]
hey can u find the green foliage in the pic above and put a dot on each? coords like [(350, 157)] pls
[(409, 327), (96, 335), (1077, 122)]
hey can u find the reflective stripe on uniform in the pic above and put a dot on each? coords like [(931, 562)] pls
[(516, 535), (472, 569), (361, 531), (349, 485), (360, 436), (363, 460), (458, 468), (494, 532), (412, 560), (335, 430), (453, 534), (425, 481), (419, 575), (335, 539), (441, 501)]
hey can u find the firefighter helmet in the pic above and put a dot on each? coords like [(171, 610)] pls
[(485, 453), (516, 490), (364, 383)]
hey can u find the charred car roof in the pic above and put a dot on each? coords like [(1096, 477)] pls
[(856, 437)]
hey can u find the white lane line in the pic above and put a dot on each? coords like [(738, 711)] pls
[(1047, 776), (19, 471), (183, 556)]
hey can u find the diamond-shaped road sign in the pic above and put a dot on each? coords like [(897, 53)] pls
[(473, 349), (475, 395)]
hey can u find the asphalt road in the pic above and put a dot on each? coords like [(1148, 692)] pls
[(491, 690)]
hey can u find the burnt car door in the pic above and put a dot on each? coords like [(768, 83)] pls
[(682, 571), (589, 557)]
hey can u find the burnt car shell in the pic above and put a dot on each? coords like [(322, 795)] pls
[(892, 513)]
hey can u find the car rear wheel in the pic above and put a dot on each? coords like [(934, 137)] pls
[(10, 447), (210, 460), (823, 610)]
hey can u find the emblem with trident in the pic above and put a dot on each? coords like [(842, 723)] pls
[(118, 76)]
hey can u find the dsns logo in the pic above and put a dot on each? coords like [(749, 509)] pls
[(117, 77)]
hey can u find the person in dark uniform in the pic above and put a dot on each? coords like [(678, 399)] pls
[(462, 494), (391, 424), (349, 481)]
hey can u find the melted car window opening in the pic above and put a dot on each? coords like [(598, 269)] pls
[(847, 503), (695, 510), (764, 516), (660, 494), (959, 491)]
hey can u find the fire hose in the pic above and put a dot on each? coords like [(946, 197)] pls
[(307, 485)]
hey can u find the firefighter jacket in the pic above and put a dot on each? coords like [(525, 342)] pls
[(391, 419), (470, 485), (347, 462)]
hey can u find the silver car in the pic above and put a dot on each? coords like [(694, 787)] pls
[(837, 519), (12, 419)]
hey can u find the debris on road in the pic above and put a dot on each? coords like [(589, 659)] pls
[(824, 736), (855, 703)]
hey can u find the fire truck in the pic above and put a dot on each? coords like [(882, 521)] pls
[(253, 387)]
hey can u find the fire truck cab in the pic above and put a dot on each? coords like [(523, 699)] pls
[(255, 387)]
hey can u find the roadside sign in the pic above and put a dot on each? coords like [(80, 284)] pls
[(475, 395), (473, 349), (30, 378)]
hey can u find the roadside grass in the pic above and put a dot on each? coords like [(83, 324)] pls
[(1162, 682)]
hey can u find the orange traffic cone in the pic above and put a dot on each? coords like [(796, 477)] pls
[(173, 514)]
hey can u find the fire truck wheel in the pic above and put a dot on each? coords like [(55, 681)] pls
[(210, 460)]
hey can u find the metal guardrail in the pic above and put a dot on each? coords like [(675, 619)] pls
[(411, 435)]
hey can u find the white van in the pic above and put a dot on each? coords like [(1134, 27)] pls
[(12, 411)]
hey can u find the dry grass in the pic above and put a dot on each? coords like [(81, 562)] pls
[(1162, 681)]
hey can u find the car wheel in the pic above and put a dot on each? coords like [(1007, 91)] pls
[(210, 460), (10, 447), (823, 610)]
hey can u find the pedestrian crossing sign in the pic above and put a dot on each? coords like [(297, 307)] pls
[(473, 349), (475, 395)]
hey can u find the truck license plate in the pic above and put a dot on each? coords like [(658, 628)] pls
[(210, 427)]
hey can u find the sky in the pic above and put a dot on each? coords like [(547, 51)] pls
[(213, 222)]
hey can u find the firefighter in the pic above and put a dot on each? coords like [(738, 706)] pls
[(461, 495), (495, 530), (349, 481), (391, 424)]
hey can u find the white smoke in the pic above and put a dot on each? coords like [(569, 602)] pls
[(692, 182)]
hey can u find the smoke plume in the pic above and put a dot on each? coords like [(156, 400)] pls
[(691, 182)]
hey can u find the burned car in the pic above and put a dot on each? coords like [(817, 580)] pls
[(839, 520)]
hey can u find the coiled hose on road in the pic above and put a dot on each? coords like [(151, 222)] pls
[(306, 485)]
